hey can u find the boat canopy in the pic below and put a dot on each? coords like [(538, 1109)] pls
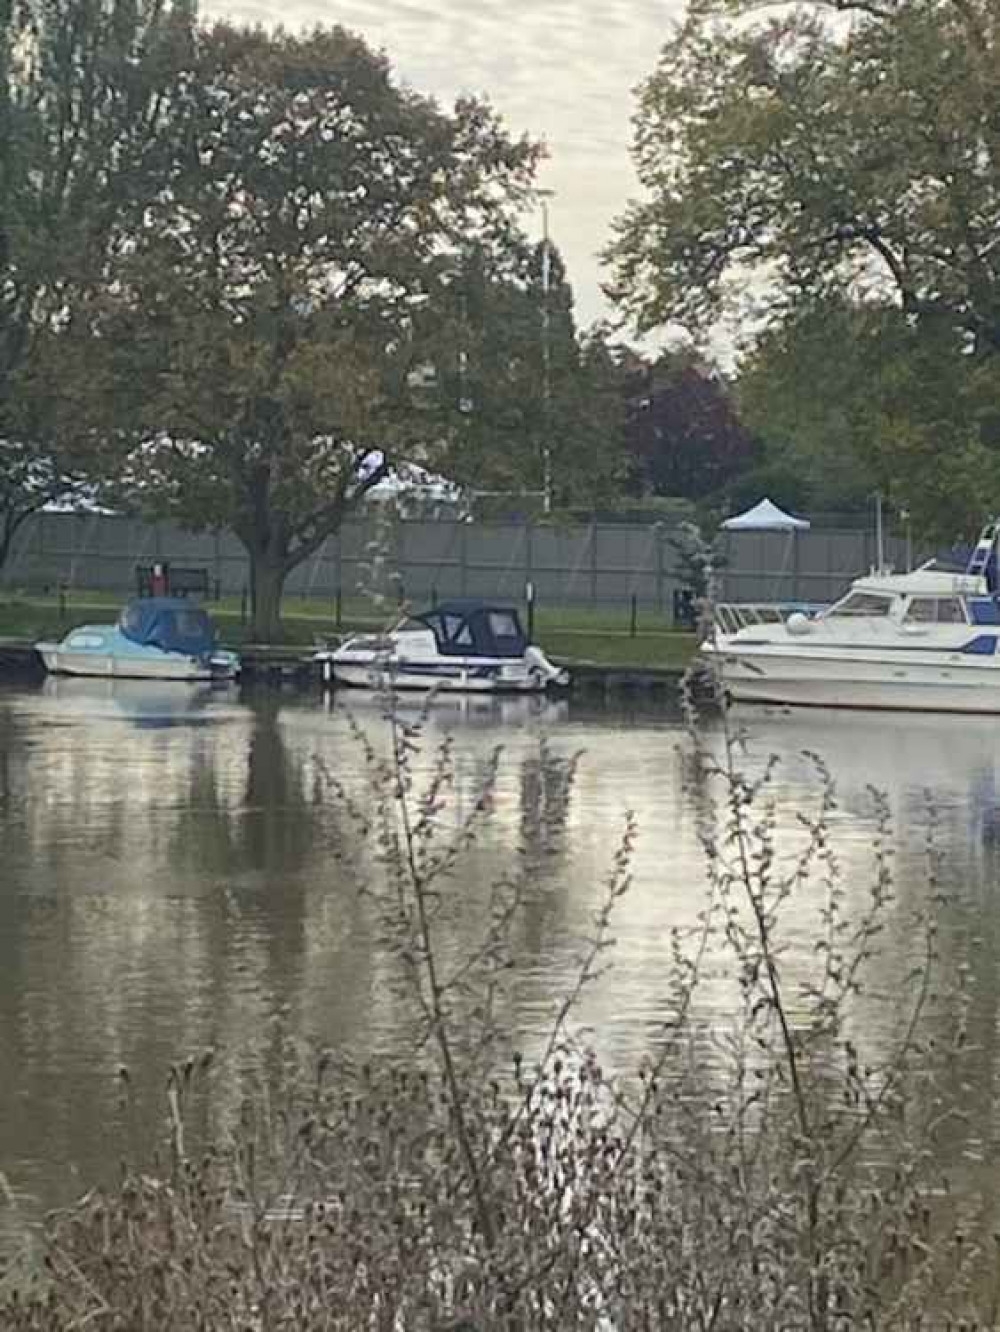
[(172, 624), (475, 629)]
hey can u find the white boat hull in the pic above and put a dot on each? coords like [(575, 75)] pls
[(100, 666), (457, 679), (916, 681), (923, 641)]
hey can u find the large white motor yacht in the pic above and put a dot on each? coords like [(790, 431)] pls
[(925, 641)]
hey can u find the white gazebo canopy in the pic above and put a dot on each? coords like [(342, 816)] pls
[(765, 517)]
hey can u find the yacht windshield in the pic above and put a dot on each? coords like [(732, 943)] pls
[(934, 610), (868, 604)]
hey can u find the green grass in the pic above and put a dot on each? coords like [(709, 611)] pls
[(573, 634), (664, 651)]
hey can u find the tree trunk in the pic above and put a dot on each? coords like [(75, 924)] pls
[(267, 582), (11, 521)]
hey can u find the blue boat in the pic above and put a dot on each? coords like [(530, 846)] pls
[(156, 638)]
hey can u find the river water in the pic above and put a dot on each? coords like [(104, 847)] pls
[(173, 874)]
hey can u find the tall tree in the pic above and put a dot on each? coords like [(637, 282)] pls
[(536, 403), (840, 143), (82, 97), (273, 308), (841, 155), (900, 408), (816, 416), (683, 434)]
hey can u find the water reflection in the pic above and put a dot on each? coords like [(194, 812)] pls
[(146, 703), (174, 873), (464, 710), (950, 763)]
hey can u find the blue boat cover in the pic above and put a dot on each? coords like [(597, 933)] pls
[(169, 623), (476, 629)]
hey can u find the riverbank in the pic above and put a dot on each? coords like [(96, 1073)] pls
[(576, 637)]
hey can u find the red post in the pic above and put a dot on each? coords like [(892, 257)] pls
[(160, 582)]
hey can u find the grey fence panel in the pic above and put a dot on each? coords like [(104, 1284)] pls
[(618, 589), (816, 565), (439, 557), (354, 538), (230, 547), (561, 563), (600, 564), (194, 547), (625, 548)]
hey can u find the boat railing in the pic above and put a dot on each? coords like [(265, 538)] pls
[(732, 616)]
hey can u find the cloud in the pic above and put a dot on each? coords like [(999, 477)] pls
[(561, 70)]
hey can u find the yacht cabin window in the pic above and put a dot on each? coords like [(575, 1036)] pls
[(457, 631), (868, 604), (504, 625), (934, 610)]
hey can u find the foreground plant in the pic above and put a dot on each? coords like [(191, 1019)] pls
[(773, 1171)]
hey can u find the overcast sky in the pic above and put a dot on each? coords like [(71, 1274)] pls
[(562, 70)]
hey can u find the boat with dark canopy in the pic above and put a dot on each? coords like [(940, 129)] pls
[(469, 645), (155, 638)]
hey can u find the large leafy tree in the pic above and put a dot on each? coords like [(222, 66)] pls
[(838, 153), (272, 311), (816, 417), (535, 404), (896, 407), (863, 148), (83, 87)]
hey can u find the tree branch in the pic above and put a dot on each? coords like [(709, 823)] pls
[(323, 522)]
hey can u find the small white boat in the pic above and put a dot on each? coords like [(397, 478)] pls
[(156, 638), (471, 646), (923, 641)]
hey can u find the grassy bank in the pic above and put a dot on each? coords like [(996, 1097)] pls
[(601, 637)]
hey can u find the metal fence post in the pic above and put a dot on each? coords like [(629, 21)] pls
[(593, 562), (529, 554), (660, 595), (795, 566)]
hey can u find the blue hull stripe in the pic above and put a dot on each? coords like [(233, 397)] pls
[(418, 668), (973, 648)]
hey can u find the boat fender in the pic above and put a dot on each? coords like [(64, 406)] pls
[(797, 623)]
